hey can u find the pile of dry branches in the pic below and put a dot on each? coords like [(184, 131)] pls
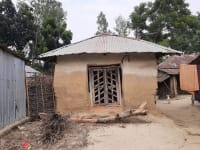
[(53, 128)]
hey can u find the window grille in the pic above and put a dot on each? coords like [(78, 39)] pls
[(105, 85)]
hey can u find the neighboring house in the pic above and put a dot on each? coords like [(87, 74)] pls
[(105, 70), (31, 72), (196, 61), (168, 75), (12, 88)]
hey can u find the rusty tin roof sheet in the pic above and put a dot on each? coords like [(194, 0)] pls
[(162, 76), (172, 64)]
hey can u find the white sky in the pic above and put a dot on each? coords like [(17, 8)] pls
[(82, 14)]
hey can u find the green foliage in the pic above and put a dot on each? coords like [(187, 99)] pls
[(25, 25), (167, 22), (7, 23), (139, 19), (122, 26), (54, 34), (36, 28), (47, 8), (102, 23), (51, 32), (17, 27)]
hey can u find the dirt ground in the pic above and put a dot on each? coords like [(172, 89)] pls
[(160, 134), (75, 137), (182, 112), (176, 128)]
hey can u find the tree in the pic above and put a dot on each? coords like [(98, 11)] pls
[(122, 26), (54, 34), (47, 8), (166, 22), (25, 27), (186, 35), (17, 27), (139, 19), (164, 16), (7, 23), (51, 32), (102, 23)]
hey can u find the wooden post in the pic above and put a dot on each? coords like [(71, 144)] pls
[(193, 98), (27, 97), (172, 94), (173, 86), (41, 88)]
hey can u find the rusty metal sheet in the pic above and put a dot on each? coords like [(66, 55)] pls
[(162, 76), (172, 64)]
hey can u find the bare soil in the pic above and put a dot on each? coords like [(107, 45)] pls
[(176, 127), (75, 137), (181, 111), (160, 134)]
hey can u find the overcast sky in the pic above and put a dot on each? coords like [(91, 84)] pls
[(82, 14)]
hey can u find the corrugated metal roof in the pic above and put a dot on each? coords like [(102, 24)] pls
[(5, 49), (162, 76), (172, 71), (196, 60), (31, 71), (109, 44), (172, 64)]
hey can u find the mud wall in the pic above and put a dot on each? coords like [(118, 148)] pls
[(71, 80)]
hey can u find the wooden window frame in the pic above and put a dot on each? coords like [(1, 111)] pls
[(118, 84)]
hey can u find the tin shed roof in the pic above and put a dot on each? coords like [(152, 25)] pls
[(106, 43), (162, 76), (30, 71), (172, 64), (5, 49)]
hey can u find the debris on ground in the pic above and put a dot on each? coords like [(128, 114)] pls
[(115, 118), (75, 137), (26, 145), (56, 131), (22, 128), (53, 128)]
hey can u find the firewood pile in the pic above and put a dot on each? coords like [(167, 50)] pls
[(115, 118), (53, 128), (54, 125)]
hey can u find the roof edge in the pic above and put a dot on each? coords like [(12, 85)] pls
[(5, 49), (169, 50)]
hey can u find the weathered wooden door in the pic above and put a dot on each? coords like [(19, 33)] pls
[(105, 85)]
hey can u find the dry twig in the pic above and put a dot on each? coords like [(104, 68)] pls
[(53, 128)]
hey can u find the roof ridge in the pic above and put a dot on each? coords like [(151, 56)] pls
[(117, 44)]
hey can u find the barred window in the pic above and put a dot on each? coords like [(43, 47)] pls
[(105, 84)]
